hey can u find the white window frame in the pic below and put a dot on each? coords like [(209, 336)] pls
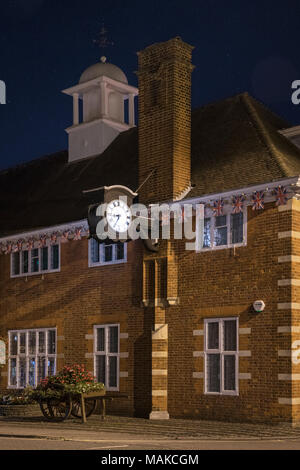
[(107, 354), (40, 271), (27, 356), (229, 232), (222, 353), (101, 261)]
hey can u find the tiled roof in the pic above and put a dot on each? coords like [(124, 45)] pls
[(235, 143)]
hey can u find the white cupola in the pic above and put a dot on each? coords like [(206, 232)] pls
[(102, 92)]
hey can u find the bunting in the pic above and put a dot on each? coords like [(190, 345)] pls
[(42, 241), (238, 204), (281, 195), (258, 200), (218, 207), (77, 234), (30, 244)]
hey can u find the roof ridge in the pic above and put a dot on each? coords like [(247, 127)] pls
[(264, 135)]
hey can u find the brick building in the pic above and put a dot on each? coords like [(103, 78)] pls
[(176, 329)]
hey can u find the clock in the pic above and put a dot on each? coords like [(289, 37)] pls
[(118, 215)]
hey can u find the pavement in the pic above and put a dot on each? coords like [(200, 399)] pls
[(117, 429)]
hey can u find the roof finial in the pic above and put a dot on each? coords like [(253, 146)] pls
[(102, 41)]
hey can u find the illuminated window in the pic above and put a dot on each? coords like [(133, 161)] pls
[(32, 356)]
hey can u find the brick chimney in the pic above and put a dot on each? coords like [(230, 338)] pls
[(164, 120)]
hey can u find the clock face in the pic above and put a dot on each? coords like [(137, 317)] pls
[(118, 215)]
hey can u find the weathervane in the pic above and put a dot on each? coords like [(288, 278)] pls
[(102, 41)]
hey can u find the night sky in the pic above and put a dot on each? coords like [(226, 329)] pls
[(240, 45)]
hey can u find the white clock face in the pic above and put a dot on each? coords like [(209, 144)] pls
[(118, 215)]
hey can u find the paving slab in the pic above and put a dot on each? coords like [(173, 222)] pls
[(118, 427)]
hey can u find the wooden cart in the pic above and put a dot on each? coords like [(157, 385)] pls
[(81, 405)]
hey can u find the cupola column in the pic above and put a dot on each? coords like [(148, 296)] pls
[(75, 109), (131, 110), (104, 99)]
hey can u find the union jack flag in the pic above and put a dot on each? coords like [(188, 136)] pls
[(281, 195), (53, 238), (258, 200), (42, 241), (14, 248), (237, 204), (218, 207), (20, 244), (77, 234), (30, 244), (65, 236), (8, 248)]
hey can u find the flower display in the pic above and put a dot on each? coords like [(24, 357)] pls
[(70, 380)]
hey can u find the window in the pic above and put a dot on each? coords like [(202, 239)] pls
[(35, 261), (224, 231), (107, 356), (221, 356), (100, 253), (32, 356)]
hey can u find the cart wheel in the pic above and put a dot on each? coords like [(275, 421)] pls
[(56, 409), (90, 406)]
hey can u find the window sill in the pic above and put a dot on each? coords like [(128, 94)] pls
[(221, 247), (40, 273), (108, 263)]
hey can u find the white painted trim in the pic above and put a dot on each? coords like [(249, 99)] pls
[(26, 355), (40, 272), (235, 192), (83, 87), (221, 351), (290, 131), (46, 230), (227, 213), (91, 264), (107, 354)]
